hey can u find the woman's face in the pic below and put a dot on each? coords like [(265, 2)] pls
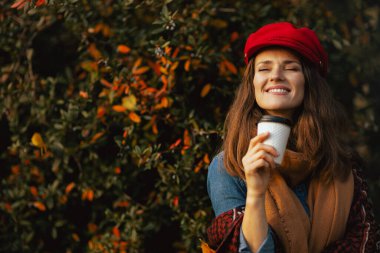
[(279, 82)]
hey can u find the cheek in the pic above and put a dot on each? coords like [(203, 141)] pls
[(257, 83)]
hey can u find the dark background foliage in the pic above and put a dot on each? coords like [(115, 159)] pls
[(111, 111)]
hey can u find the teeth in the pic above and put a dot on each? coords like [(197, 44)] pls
[(277, 90)]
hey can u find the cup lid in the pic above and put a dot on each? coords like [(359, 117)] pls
[(276, 119)]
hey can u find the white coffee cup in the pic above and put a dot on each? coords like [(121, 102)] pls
[(279, 129)]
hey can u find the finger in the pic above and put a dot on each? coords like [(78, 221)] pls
[(258, 139), (249, 161), (261, 146), (258, 166), (265, 156)]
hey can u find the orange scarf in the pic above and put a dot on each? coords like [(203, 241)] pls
[(329, 207)]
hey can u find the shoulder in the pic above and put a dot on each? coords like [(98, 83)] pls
[(225, 191), (218, 172)]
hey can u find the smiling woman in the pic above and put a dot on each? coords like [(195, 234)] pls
[(278, 82), (313, 201)]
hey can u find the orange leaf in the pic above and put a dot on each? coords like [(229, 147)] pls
[(134, 117), (123, 49), (34, 191), (174, 66), (40, 2), (189, 48), (231, 67), (205, 90), (40, 206), (140, 71), (117, 170), (121, 204), (175, 53), (100, 112), (234, 36), (106, 31), (164, 80), (19, 4), (106, 83), (164, 102), (116, 232), (94, 52), (96, 136), (83, 94), (175, 201), (15, 169), (164, 70), (187, 65), (69, 187), (119, 108), (186, 138), (88, 194), (206, 159), (155, 67), (75, 237), (154, 128), (137, 63), (198, 167), (205, 248), (175, 144)]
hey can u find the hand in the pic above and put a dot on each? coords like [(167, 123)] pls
[(257, 163)]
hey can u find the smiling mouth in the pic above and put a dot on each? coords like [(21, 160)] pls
[(278, 90)]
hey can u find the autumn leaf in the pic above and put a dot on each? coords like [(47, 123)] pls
[(40, 2), (123, 49), (175, 201), (40, 206), (83, 94), (37, 141), (164, 71), (175, 53), (75, 237), (137, 63), (205, 248), (69, 187), (106, 83), (19, 4), (34, 191), (134, 117), (186, 138), (140, 71), (96, 136), (230, 66), (206, 159), (88, 194), (100, 112), (129, 102), (122, 204), (198, 167), (175, 144), (205, 90), (119, 108), (116, 232), (94, 52), (234, 36), (187, 65)]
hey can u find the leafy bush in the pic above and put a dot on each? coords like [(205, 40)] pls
[(111, 111)]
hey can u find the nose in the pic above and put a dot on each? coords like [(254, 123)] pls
[(277, 74)]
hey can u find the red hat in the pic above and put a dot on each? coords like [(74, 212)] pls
[(302, 40)]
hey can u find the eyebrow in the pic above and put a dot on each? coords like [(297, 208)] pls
[(285, 62)]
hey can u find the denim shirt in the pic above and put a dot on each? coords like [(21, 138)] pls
[(227, 192)]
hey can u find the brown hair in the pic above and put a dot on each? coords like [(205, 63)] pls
[(319, 124)]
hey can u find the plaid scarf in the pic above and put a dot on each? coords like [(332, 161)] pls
[(362, 233)]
